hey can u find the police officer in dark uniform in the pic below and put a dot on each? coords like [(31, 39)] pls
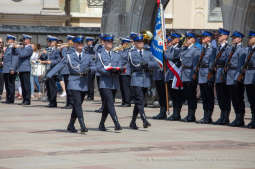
[(79, 64), (89, 49), (233, 70), (141, 63), (109, 68), (9, 69), (65, 71), (249, 78), (189, 57), (24, 53), (206, 86), (222, 92), (53, 58)]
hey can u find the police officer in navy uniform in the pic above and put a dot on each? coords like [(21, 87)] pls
[(24, 52), (124, 77), (9, 70), (206, 86), (236, 88), (222, 92), (249, 78), (53, 58), (173, 55), (65, 71), (89, 49), (109, 68), (141, 63), (189, 57), (79, 64)]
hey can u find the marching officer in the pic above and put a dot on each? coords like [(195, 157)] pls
[(141, 63), (236, 88), (9, 69), (124, 77), (222, 92), (189, 57), (249, 79), (65, 71), (206, 86), (89, 49), (79, 64), (24, 53), (173, 55), (53, 58), (108, 66)]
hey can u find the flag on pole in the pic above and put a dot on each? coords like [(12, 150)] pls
[(157, 44)]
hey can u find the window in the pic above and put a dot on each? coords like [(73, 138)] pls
[(214, 12), (95, 3)]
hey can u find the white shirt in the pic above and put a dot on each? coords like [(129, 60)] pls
[(34, 57), (190, 45)]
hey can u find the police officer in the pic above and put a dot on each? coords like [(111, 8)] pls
[(79, 64), (206, 86), (141, 63), (9, 69), (222, 92), (24, 53), (249, 79), (173, 55), (124, 77), (189, 57), (236, 88), (53, 58), (89, 49), (108, 65), (65, 71)]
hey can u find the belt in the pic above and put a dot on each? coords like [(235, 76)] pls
[(232, 68), (187, 67), (204, 66), (220, 66), (80, 74)]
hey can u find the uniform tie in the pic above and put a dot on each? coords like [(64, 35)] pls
[(141, 53), (80, 57)]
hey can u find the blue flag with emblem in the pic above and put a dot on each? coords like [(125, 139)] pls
[(157, 44)]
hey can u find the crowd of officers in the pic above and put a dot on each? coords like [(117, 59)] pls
[(210, 62)]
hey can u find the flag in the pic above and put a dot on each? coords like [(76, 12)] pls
[(157, 43)]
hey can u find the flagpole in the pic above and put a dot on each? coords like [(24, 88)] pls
[(164, 49)]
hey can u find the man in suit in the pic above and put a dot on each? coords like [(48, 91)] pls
[(236, 88), (206, 86), (249, 78), (189, 57), (141, 63), (53, 58), (109, 68), (79, 64), (24, 52), (9, 70)]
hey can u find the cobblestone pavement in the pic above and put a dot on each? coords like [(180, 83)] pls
[(34, 137)]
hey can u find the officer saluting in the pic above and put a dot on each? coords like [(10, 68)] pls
[(206, 86), (24, 67), (222, 92), (9, 69), (189, 57), (79, 64), (53, 58), (65, 71), (108, 66), (249, 78), (233, 66), (141, 63)]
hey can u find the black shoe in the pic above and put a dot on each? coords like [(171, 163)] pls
[(251, 125), (68, 107), (238, 122), (26, 103), (205, 121), (52, 105), (146, 124), (84, 130), (160, 116), (133, 126), (102, 127), (117, 128), (82, 124), (126, 105), (189, 119), (72, 129), (175, 116)]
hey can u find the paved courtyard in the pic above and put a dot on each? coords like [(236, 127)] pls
[(34, 137)]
